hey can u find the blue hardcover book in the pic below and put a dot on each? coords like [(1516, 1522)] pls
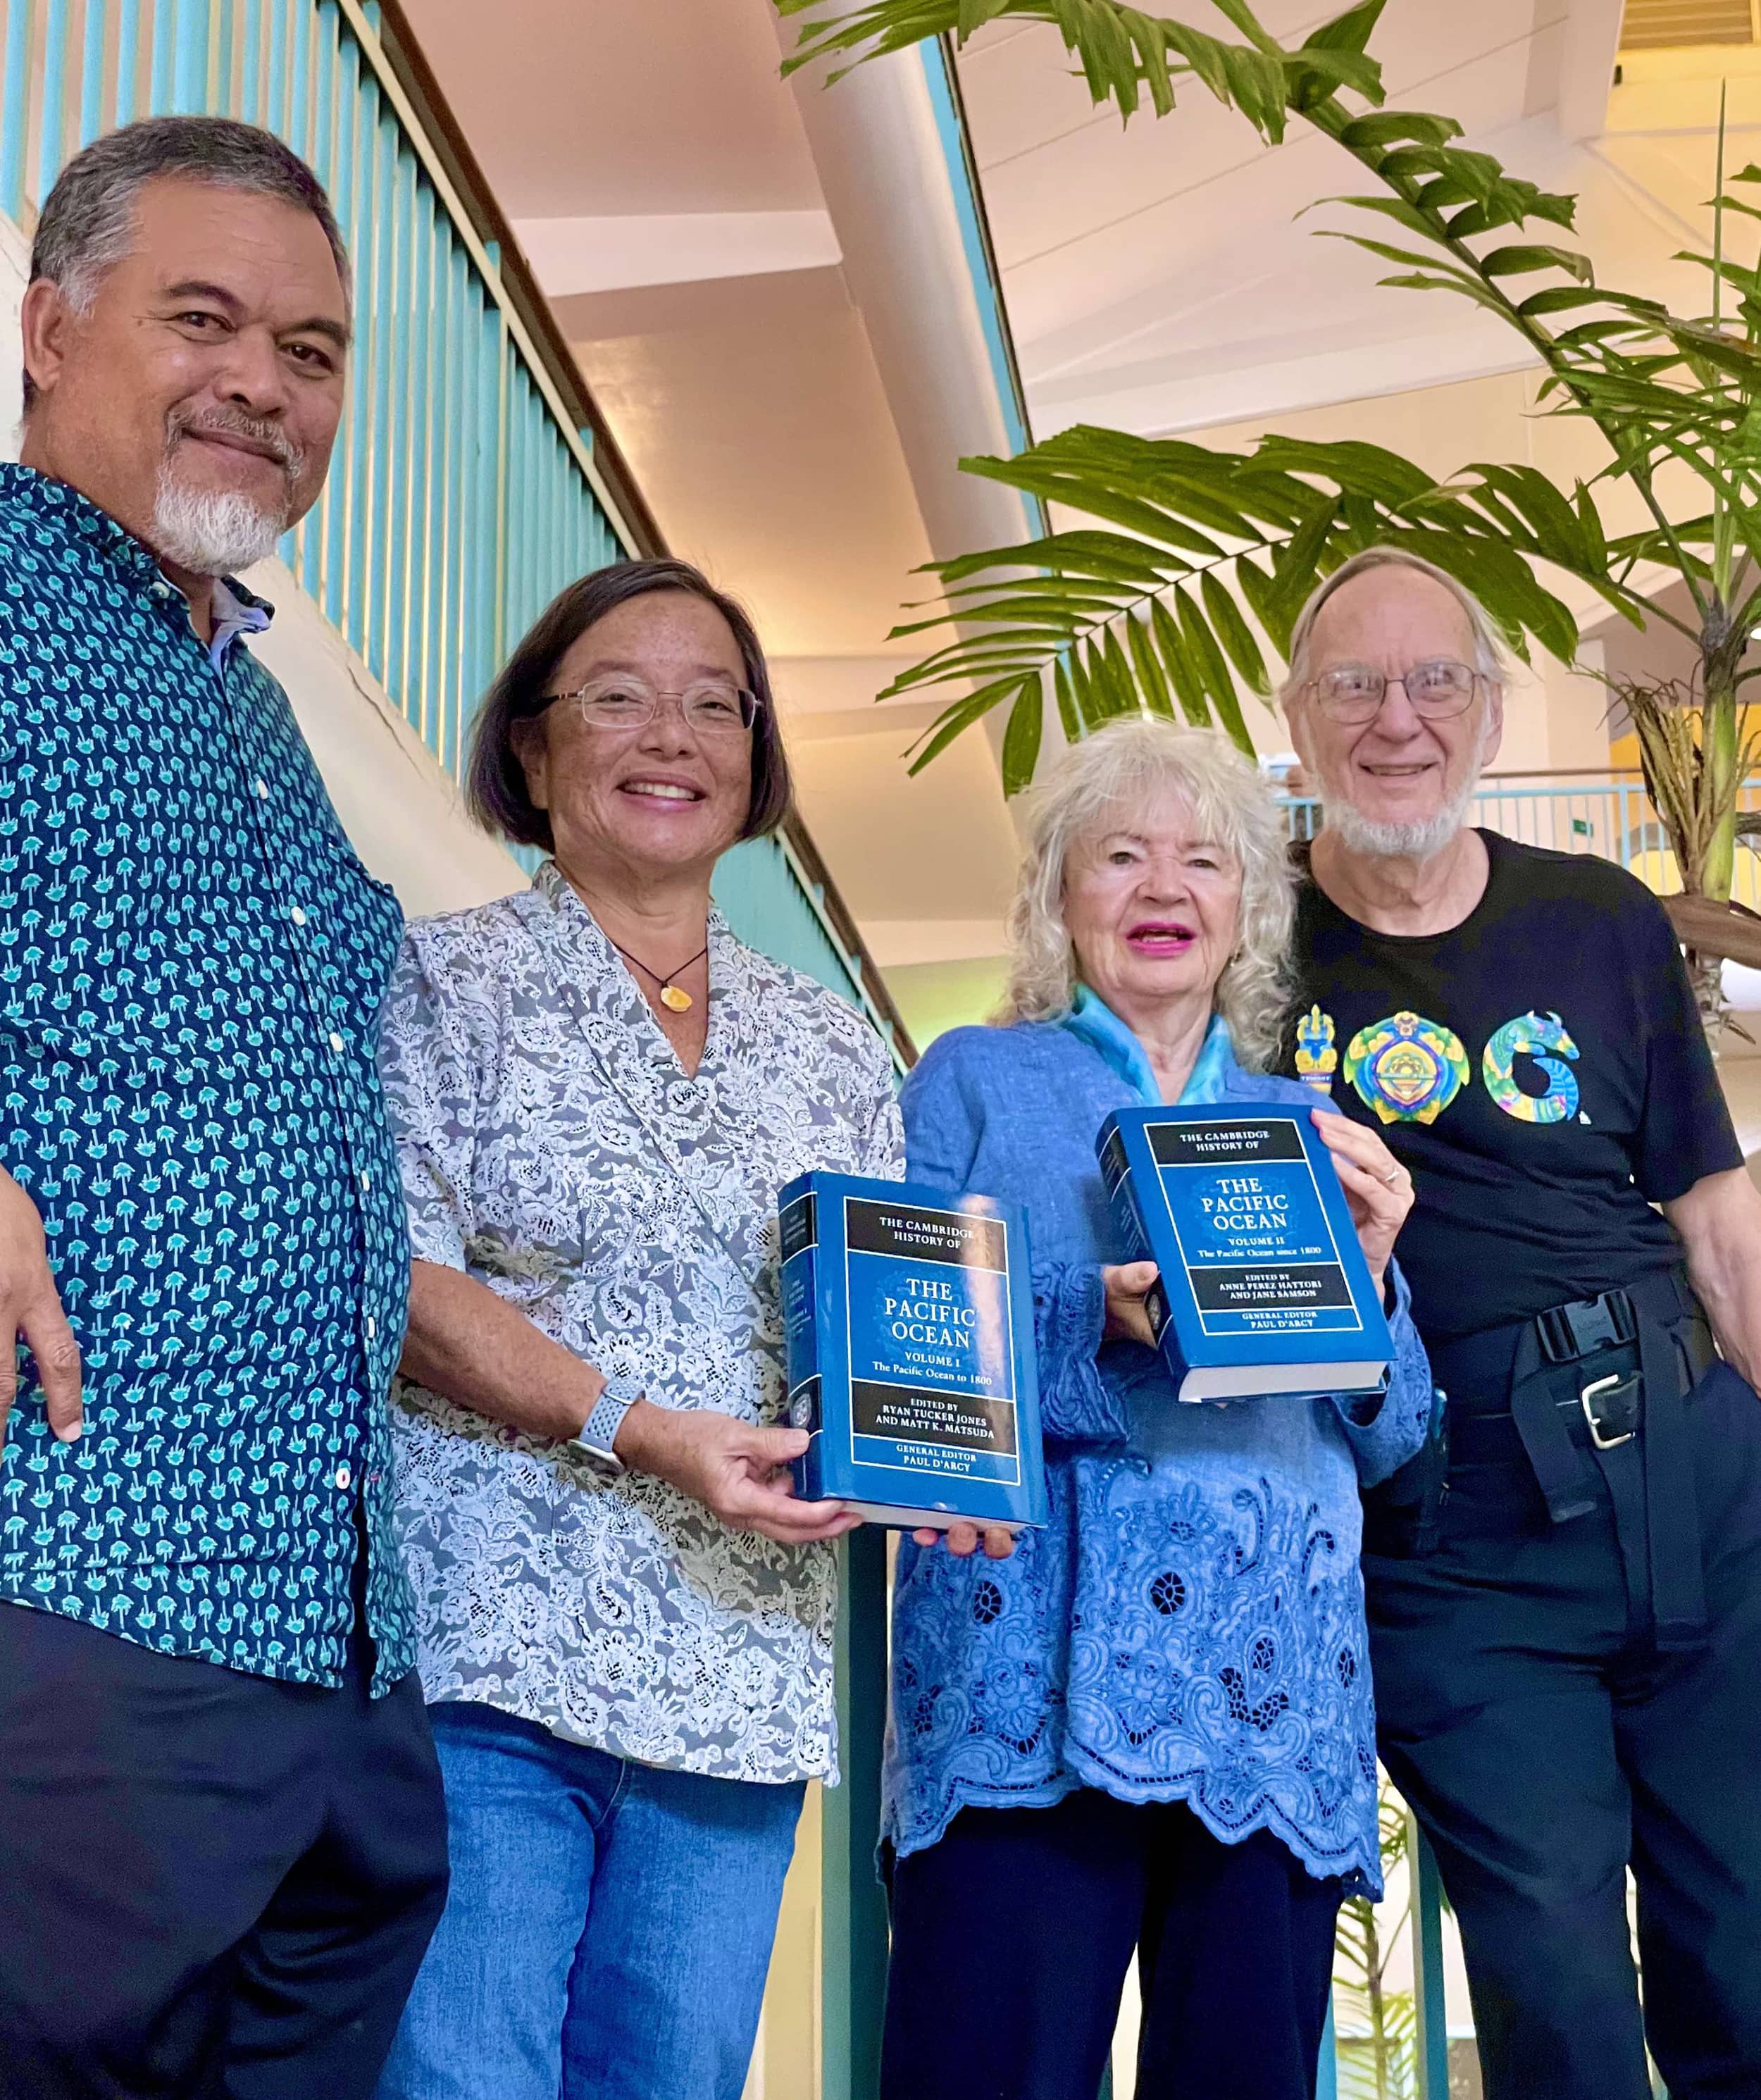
[(1262, 1285), (908, 1330)]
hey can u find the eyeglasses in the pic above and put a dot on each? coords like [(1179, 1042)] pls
[(1437, 690), (622, 701)]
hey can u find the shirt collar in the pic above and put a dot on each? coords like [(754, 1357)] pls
[(1097, 1025), (237, 610), (77, 515)]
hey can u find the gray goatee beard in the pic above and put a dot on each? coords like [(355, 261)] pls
[(215, 533), (1420, 840)]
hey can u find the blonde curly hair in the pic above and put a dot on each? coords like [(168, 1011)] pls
[(1120, 767)]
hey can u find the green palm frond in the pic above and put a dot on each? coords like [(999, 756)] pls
[(1190, 596), (1197, 561)]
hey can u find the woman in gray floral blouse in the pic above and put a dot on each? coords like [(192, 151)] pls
[(626, 1618)]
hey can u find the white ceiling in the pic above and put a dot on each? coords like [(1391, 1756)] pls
[(662, 183), (621, 106), (1159, 277)]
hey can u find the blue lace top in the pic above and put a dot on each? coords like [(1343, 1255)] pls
[(1190, 1624)]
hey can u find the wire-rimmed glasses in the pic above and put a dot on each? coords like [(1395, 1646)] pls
[(619, 701), (1438, 690)]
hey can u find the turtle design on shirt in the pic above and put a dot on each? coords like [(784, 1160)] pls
[(1406, 1069), (1530, 1034)]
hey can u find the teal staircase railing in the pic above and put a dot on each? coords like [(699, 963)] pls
[(472, 477)]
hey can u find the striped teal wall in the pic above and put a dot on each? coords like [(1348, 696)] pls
[(461, 498)]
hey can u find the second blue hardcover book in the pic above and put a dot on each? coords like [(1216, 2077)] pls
[(908, 1330), (1263, 1288)]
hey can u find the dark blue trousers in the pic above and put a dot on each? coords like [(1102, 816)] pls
[(212, 1886), (1547, 1746), (1013, 1933)]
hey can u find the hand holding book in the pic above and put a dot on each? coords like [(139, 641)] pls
[(1260, 1234), (737, 1469), (1127, 1285), (1377, 1187), (963, 1539)]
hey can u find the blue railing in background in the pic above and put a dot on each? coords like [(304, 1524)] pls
[(464, 493), (1608, 815)]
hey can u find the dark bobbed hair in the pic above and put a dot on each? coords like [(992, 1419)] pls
[(495, 781)]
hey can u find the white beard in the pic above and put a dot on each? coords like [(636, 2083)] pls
[(212, 533), (1423, 840)]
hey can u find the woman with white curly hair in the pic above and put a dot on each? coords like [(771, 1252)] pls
[(1149, 1730)]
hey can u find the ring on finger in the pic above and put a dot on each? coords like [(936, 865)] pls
[(1391, 1176)]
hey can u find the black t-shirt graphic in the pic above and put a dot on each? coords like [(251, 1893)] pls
[(1541, 1071)]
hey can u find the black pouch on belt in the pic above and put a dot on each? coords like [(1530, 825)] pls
[(1596, 1395)]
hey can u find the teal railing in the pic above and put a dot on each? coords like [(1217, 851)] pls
[(467, 486), (1609, 814), (470, 483)]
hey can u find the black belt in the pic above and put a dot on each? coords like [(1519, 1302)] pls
[(1594, 1391)]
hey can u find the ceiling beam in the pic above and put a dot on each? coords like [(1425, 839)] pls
[(618, 252), (1587, 68)]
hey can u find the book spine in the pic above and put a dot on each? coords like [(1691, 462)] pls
[(1115, 1171), (1133, 1234), (801, 1335)]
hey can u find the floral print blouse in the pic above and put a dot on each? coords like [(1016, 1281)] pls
[(553, 1147)]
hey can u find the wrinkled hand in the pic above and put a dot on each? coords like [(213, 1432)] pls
[(965, 1538), (30, 1310), (1127, 1284), (1377, 1187), (736, 1470)]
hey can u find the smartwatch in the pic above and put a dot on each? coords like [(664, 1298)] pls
[(592, 1447)]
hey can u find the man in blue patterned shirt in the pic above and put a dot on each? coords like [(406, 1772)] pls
[(222, 1842)]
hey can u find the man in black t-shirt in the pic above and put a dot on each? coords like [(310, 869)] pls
[(1565, 1594)]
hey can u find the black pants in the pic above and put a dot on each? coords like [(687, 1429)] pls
[(210, 1884), (1546, 1745), (1012, 1935)]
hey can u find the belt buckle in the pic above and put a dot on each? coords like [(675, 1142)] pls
[(1601, 1385)]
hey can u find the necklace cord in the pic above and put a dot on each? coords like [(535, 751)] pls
[(663, 981)]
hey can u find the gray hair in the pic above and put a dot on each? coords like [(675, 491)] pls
[(88, 224), (1122, 764), (1490, 660)]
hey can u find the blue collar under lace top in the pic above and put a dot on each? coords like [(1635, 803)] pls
[(1190, 1624)]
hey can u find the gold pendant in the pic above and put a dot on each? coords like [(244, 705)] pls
[(675, 1000)]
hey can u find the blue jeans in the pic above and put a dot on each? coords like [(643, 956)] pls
[(608, 1928)]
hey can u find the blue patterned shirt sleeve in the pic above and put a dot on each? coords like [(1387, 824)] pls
[(194, 959)]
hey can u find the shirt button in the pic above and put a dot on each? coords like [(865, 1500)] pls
[(337, 1044), (366, 1182), (344, 1477), (297, 917), (373, 1326), (262, 789)]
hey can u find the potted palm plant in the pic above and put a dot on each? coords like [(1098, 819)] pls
[(1197, 556)]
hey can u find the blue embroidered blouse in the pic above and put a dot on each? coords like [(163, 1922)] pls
[(1189, 1625)]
